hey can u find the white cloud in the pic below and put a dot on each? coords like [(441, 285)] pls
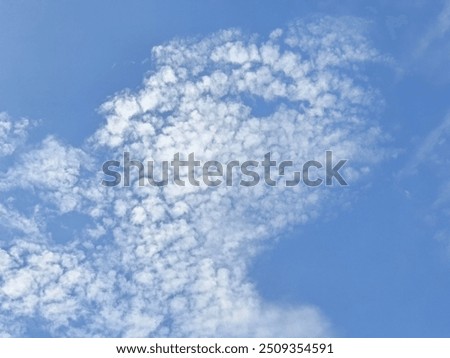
[(14, 220), (173, 261), (439, 28), (12, 133), (430, 161), (432, 48), (430, 149), (53, 169)]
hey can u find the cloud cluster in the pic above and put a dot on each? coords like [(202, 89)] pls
[(172, 261), (53, 170), (12, 133)]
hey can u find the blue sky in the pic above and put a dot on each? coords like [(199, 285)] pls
[(368, 260)]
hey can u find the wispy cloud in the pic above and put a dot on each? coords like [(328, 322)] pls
[(439, 29), (12, 133), (173, 261), (428, 150), (431, 160)]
